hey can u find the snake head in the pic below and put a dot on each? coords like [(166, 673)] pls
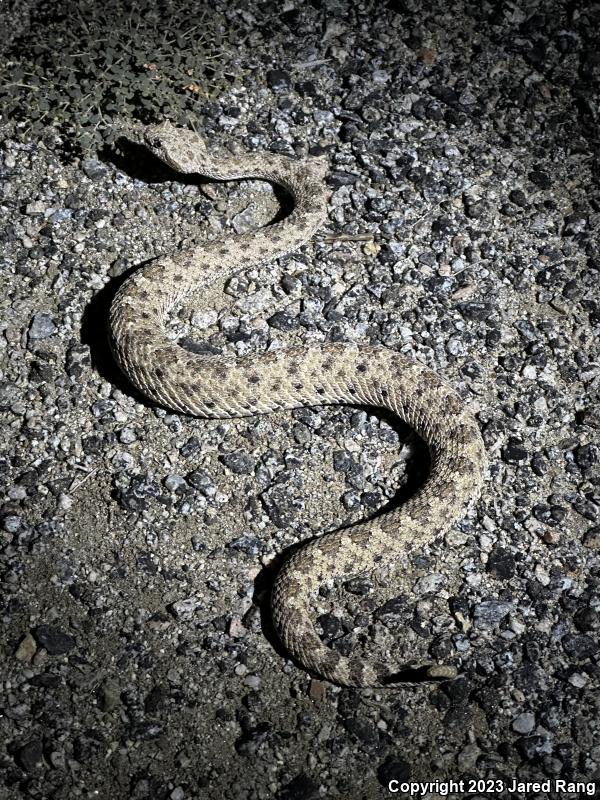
[(180, 148)]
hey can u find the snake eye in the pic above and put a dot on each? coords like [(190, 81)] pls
[(155, 142)]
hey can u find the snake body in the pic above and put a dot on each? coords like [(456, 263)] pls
[(335, 373)]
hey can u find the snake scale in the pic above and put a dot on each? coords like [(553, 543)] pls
[(330, 373)]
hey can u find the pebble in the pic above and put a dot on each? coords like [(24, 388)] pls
[(54, 640), (524, 723), (42, 326), (238, 462), (26, 649), (30, 756), (490, 613), (430, 584), (184, 609)]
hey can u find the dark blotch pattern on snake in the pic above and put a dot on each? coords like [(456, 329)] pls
[(221, 387)]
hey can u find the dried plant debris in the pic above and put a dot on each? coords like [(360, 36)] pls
[(79, 66)]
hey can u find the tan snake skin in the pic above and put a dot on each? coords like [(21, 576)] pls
[(219, 387)]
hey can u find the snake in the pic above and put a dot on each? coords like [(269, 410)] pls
[(330, 373)]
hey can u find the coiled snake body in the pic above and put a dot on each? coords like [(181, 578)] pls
[(219, 387)]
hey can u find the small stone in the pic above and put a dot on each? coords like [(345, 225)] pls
[(579, 645), (393, 769), (26, 649), (524, 723), (35, 208), (204, 319), (551, 537), (430, 583), (42, 326), (175, 483), (330, 625), (317, 690), (31, 755), (514, 452), (55, 641), (591, 538), (109, 695), (202, 481), (253, 681), (587, 619), (533, 747), (282, 321), (236, 628), (184, 609), (578, 680), (371, 248), (278, 79), (501, 563), (247, 544), (127, 436), (518, 197), (490, 613), (238, 462), (586, 455), (540, 178), (94, 169), (12, 523), (467, 758)]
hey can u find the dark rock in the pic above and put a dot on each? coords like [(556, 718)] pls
[(155, 699), (282, 321), (518, 197), (490, 613), (330, 625), (46, 680), (146, 731), (475, 310), (501, 563), (238, 462), (587, 619), (397, 605), (363, 730), (191, 447), (281, 507), (302, 787), (278, 79), (30, 756), (591, 538), (55, 641), (586, 455), (339, 179), (458, 690), (202, 481), (514, 452), (580, 645), (532, 748), (247, 544), (393, 769), (540, 178), (358, 586)]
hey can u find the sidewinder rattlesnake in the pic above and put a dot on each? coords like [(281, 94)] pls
[(334, 373)]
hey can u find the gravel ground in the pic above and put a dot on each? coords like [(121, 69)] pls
[(138, 546)]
